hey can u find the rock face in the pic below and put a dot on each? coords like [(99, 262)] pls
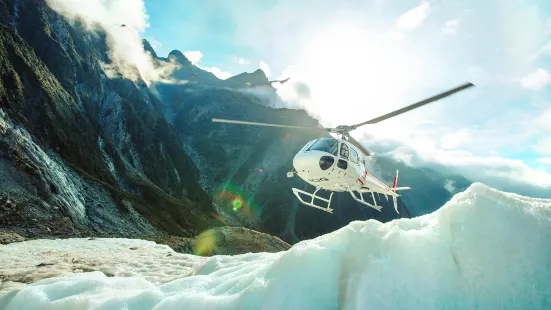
[(7, 237), (78, 146)]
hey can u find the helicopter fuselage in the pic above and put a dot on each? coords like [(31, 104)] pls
[(335, 165)]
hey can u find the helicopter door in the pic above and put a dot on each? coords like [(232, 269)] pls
[(358, 164), (343, 160)]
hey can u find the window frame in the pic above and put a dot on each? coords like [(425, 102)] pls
[(354, 157), (309, 144), (343, 144)]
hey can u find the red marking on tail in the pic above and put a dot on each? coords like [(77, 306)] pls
[(395, 181), (360, 181)]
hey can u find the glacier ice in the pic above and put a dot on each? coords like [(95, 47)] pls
[(484, 249)]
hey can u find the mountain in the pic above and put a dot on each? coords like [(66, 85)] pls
[(80, 150), (246, 79), (84, 148)]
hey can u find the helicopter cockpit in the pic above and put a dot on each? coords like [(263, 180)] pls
[(328, 145)]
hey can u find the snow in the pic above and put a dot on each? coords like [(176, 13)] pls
[(118, 257), (484, 249)]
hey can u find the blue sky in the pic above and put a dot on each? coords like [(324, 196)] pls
[(361, 59)]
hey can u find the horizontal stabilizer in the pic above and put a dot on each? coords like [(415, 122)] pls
[(400, 188)]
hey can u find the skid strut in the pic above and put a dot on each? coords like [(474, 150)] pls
[(365, 203), (312, 197)]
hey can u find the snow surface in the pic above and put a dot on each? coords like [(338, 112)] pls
[(484, 249)]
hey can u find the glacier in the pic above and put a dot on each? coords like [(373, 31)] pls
[(484, 249)]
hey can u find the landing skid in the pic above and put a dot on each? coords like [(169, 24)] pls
[(312, 197), (365, 203)]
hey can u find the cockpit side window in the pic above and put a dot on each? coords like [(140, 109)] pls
[(325, 145), (353, 156), (344, 150)]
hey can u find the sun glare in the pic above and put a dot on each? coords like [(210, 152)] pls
[(355, 75)]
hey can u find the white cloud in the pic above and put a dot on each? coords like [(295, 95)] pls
[(154, 43), (543, 146), (219, 73), (241, 60), (544, 160), (502, 173), (125, 43), (413, 18), (264, 66), (451, 26), (193, 56), (455, 139), (536, 80), (450, 186), (544, 120)]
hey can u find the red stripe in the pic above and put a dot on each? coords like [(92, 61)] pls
[(361, 181)]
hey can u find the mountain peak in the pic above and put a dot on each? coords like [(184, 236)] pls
[(148, 48), (179, 57), (258, 77), (260, 74)]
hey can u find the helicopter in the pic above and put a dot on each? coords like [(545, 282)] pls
[(338, 165)]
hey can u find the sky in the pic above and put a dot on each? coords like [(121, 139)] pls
[(363, 58)]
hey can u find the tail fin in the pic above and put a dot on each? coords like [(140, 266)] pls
[(395, 181)]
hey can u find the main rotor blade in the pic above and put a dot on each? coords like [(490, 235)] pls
[(415, 105), (358, 145), (218, 120)]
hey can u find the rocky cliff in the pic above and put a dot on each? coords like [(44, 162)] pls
[(81, 150)]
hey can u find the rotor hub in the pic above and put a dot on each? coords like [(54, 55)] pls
[(342, 129)]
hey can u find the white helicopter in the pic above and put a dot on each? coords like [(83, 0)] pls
[(337, 165)]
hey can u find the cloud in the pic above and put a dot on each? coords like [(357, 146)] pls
[(291, 95), (544, 119), (543, 145), (193, 56), (498, 172), (125, 43), (219, 73), (544, 160), (154, 43), (196, 56), (264, 66), (451, 26), (413, 18), (241, 60), (455, 139), (536, 80), (449, 186)]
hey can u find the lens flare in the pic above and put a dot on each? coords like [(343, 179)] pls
[(237, 204), (238, 201)]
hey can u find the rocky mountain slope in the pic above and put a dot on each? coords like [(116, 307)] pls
[(80, 150)]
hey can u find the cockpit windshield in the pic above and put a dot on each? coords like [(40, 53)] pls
[(328, 145)]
